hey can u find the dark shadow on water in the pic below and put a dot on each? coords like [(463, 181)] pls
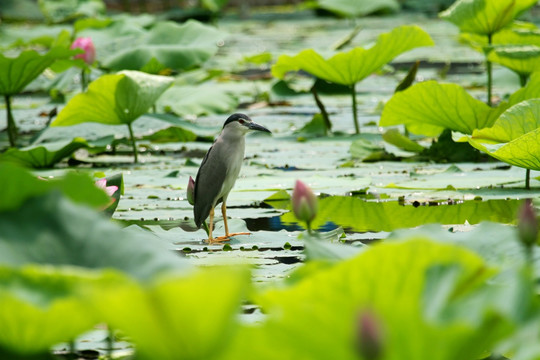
[(275, 224)]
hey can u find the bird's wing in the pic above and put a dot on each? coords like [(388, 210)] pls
[(208, 183)]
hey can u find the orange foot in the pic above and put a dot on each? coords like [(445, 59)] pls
[(220, 239)]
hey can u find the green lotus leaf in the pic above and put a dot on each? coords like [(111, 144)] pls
[(48, 154), (517, 34), (178, 317), (394, 137), (17, 72), (529, 91), (429, 107), (524, 59), (35, 303), (347, 68), (61, 10), (360, 215), (513, 123), (114, 99), (485, 17), (357, 8), (20, 185), (175, 46), (214, 5), (368, 285), (516, 134), (198, 100)]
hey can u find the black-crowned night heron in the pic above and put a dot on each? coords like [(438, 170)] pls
[(219, 171)]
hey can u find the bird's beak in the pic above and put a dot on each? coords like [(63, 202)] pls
[(255, 126)]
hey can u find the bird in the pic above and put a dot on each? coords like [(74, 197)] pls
[(219, 170)]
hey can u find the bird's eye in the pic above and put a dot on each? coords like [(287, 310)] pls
[(241, 121)]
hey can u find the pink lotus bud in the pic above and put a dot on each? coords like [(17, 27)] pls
[(102, 184), (527, 224), (304, 202), (369, 345), (86, 44), (191, 191)]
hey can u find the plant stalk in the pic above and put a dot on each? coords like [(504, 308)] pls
[(528, 179), (11, 126), (133, 143), (489, 69), (523, 78), (84, 80), (324, 113), (72, 350), (110, 343), (355, 113)]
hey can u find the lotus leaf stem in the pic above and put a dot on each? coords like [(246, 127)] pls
[(354, 111), (84, 80), (133, 143), (309, 229), (322, 108), (523, 79), (528, 179), (11, 126), (110, 343), (489, 69)]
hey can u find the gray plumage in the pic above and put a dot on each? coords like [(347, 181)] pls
[(221, 166)]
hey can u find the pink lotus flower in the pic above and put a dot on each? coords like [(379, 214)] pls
[(191, 191), (86, 44), (102, 184), (304, 203)]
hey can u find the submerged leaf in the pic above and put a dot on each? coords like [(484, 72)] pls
[(347, 68)]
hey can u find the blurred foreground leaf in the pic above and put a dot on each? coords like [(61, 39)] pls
[(36, 303), (51, 230), (17, 185), (395, 282), (178, 317)]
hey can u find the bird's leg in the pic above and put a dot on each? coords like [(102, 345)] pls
[(218, 239), (211, 225), (227, 234), (224, 213)]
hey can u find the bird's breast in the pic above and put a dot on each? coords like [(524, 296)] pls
[(234, 157)]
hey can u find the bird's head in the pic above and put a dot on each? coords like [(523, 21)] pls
[(241, 123)]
